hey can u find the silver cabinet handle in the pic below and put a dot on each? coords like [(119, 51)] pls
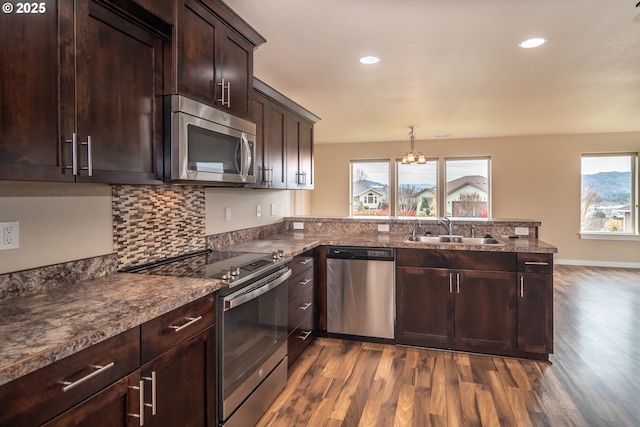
[(521, 286), (304, 282), (305, 261), (535, 263), (450, 283), (154, 392), (140, 416), (458, 282), (304, 306), (89, 167), (191, 321), (99, 369), (74, 153), (304, 335), (222, 99)]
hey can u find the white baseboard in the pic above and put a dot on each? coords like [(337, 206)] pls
[(590, 263)]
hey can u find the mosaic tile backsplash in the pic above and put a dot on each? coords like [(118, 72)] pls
[(152, 223)]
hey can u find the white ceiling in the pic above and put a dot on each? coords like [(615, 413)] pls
[(452, 67)]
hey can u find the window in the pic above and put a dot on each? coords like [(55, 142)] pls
[(468, 189), (417, 192), (608, 196), (370, 187)]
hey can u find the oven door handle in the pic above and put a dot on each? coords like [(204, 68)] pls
[(241, 299)]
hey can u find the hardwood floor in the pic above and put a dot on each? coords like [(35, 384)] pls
[(592, 379)]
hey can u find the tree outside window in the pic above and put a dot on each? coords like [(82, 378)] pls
[(417, 189), (468, 188), (370, 187)]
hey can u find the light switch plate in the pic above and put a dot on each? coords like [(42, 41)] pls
[(227, 214), (522, 231), (383, 228)]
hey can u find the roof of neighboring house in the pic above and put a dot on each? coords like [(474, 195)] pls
[(478, 181), (359, 189)]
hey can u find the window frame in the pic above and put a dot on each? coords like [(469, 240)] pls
[(397, 165), (443, 188), (351, 182), (634, 235)]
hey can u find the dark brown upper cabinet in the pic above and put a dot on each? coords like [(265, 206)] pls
[(213, 56), (81, 99), (284, 154)]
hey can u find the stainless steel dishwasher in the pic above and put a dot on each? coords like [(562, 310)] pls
[(361, 291)]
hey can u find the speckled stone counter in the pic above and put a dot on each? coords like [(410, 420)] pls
[(39, 329), (293, 242)]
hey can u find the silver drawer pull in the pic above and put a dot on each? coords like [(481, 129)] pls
[(191, 321), (100, 369), (305, 261), (304, 335), (154, 392), (535, 263), (304, 306), (140, 416), (304, 282)]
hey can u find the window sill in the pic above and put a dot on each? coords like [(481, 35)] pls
[(610, 236)]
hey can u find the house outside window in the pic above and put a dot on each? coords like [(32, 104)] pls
[(609, 199), (370, 187), (468, 189), (417, 189)]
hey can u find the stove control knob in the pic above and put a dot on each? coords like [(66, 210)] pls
[(235, 271), (274, 255), (280, 254), (226, 274)]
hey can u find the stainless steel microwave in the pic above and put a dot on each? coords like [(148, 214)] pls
[(205, 144)]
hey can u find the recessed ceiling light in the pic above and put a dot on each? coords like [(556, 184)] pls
[(370, 59), (533, 42)]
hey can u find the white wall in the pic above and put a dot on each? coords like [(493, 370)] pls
[(533, 177)]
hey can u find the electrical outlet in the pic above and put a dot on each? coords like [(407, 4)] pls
[(383, 228), (522, 231), (273, 209), (298, 225), (227, 214), (9, 235), (258, 211)]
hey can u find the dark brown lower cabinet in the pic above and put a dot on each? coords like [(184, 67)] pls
[(499, 303), (455, 309), (116, 406), (184, 382), (301, 316)]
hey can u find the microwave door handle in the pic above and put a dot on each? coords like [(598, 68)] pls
[(246, 156)]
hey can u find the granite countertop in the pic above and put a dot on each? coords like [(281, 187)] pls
[(294, 243), (39, 329)]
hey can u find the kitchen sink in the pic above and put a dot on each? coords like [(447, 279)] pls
[(454, 239)]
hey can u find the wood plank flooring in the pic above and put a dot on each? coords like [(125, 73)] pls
[(593, 379)]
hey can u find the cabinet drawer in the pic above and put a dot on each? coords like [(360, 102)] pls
[(47, 392), (300, 263), (299, 308), (299, 339), (300, 283), (535, 263), (161, 334)]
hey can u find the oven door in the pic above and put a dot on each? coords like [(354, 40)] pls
[(252, 330)]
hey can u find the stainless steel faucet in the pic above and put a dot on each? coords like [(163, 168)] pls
[(447, 223)]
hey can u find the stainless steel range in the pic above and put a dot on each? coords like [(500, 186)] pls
[(251, 328)]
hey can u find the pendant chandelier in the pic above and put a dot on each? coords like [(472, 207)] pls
[(413, 156)]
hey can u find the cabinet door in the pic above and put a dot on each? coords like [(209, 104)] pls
[(305, 156), (292, 137), (196, 52), (116, 406), (30, 148), (485, 310), (118, 83), (235, 71), (275, 155), (424, 307), (535, 313), (184, 382)]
